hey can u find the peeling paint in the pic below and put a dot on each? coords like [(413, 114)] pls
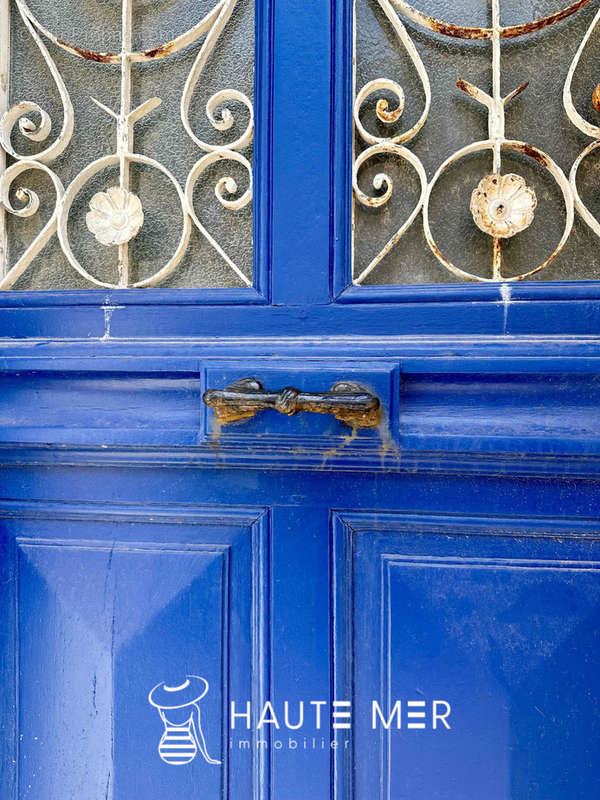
[(108, 314), (505, 294), (532, 152), (470, 32), (90, 55), (161, 51)]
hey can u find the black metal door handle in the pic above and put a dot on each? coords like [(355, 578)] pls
[(347, 401)]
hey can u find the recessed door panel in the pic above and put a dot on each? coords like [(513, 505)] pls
[(127, 652), (474, 672)]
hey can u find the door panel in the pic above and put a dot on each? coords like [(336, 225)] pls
[(104, 612), (491, 645)]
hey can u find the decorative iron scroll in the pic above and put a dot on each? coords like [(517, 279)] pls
[(586, 127), (116, 214), (502, 204)]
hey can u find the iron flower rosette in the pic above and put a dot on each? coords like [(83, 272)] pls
[(503, 205), (115, 216)]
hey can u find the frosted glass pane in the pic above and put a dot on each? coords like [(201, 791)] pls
[(140, 232), (536, 117)]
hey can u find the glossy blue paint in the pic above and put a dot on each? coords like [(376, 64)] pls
[(107, 607), (489, 407), (558, 309), (290, 558), (468, 622), (495, 614)]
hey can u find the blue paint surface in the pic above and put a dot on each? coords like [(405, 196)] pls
[(497, 616), (496, 630), (450, 554)]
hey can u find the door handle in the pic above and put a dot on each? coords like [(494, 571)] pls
[(347, 401)]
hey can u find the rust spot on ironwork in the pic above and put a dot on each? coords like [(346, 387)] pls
[(510, 32), (384, 113), (519, 90), (457, 31), (596, 97), (532, 152), (90, 55), (436, 250), (537, 25), (465, 86), (161, 51), (372, 202)]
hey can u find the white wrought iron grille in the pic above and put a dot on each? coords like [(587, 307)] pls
[(438, 198), (129, 162)]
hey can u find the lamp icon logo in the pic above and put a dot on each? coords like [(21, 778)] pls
[(179, 710)]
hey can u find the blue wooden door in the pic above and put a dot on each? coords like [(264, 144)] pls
[(424, 653), (280, 605)]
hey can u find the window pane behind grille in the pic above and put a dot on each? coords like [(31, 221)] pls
[(159, 135), (537, 117)]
